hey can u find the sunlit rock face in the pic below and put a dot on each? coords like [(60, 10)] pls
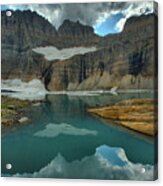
[(126, 60)]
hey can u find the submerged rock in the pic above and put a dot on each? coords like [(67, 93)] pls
[(23, 120), (36, 104)]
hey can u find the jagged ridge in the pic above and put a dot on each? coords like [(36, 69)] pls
[(126, 60)]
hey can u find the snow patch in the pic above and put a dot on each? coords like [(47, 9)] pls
[(54, 130), (78, 93), (52, 53), (32, 90)]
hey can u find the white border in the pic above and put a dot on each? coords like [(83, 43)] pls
[(63, 182)]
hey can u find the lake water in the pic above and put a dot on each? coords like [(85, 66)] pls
[(63, 140)]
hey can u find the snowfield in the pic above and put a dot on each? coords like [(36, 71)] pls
[(52, 53), (35, 90), (32, 90)]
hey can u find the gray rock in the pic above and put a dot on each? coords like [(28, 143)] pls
[(36, 104), (23, 120)]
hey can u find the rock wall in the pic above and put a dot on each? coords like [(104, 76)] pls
[(76, 34), (127, 60)]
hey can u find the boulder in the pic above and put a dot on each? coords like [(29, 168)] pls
[(23, 120)]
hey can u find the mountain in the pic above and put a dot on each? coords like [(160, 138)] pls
[(127, 60), (76, 34), (25, 29), (21, 32)]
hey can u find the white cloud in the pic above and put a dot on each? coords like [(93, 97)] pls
[(101, 165), (120, 24), (135, 9), (92, 14), (103, 16), (52, 15)]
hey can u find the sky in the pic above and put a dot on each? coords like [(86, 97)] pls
[(105, 18)]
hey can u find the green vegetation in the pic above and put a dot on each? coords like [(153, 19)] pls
[(12, 110)]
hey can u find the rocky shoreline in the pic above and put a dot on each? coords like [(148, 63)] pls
[(13, 111), (138, 114)]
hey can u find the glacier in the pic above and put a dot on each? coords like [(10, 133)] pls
[(52, 53), (32, 90)]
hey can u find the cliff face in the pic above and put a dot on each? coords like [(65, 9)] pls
[(25, 30), (20, 33), (126, 60), (76, 34)]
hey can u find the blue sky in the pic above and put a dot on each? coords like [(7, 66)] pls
[(4, 7), (105, 18), (108, 26)]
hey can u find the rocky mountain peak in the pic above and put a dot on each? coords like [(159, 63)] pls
[(139, 22), (26, 17), (26, 29), (70, 28)]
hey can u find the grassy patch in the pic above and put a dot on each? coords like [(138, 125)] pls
[(10, 110), (138, 114)]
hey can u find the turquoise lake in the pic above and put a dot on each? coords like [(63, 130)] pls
[(61, 130)]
